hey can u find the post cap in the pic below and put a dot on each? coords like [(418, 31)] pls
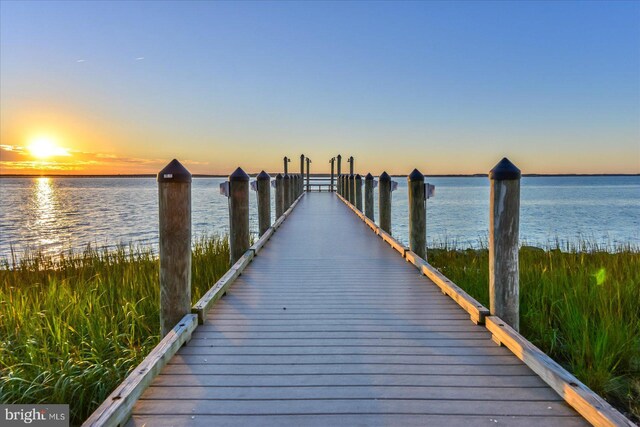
[(279, 176), (263, 176), (302, 156), (339, 156), (174, 172), (415, 176), (505, 170), (351, 176), (286, 176), (239, 175), (358, 176), (369, 177), (384, 177)]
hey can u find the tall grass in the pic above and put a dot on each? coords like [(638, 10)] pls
[(72, 327), (580, 305)]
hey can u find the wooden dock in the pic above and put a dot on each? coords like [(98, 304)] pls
[(328, 325)]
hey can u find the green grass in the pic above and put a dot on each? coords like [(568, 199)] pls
[(73, 327), (580, 305)]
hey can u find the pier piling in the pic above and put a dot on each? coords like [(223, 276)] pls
[(368, 197), (384, 201), (417, 214), (174, 197), (264, 201), (504, 224), (238, 214)]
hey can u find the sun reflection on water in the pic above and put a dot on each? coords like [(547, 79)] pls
[(44, 201)]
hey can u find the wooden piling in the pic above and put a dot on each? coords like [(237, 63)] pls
[(339, 172), (263, 183), (308, 182), (368, 197), (350, 165), (332, 161), (286, 165), (174, 200), (358, 191), (384, 201), (286, 185), (238, 214), (417, 214), (279, 196), (301, 183), (350, 193), (504, 223)]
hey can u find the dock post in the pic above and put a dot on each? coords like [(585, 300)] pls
[(417, 214), (384, 201), (342, 185), (286, 186), (351, 197), (286, 164), (339, 172), (308, 183), (368, 197), (238, 214), (332, 161), (263, 182), (504, 224), (358, 191), (279, 196), (301, 183), (292, 188), (350, 165), (174, 200)]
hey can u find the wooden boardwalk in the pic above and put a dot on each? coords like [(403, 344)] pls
[(330, 326)]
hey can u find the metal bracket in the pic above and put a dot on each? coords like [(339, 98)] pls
[(429, 190), (224, 188)]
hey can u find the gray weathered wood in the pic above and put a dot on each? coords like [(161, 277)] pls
[(308, 164), (588, 404), (358, 190), (116, 409), (417, 214), (264, 201), (279, 196), (174, 200), (301, 183), (351, 196), (504, 222), (286, 185), (384, 201), (339, 172), (333, 159), (368, 197), (238, 214)]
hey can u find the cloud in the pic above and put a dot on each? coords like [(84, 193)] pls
[(139, 58), (10, 153)]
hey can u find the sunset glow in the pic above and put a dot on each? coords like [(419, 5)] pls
[(43, 147)]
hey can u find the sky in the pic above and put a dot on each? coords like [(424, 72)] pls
[(445, 87)]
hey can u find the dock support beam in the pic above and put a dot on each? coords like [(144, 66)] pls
[(368, 197), (238, 214), (263, 183), (384, 201), (504, 224), (279, 196), (351, 197), (417, 214), (174, 197), (358, 191)]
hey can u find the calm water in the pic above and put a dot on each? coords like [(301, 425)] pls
[(61, 213)]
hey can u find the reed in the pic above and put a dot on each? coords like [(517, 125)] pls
[(579, 303), (73, 326)]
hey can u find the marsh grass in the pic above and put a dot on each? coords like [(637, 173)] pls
[(73, 326), (580, 305)]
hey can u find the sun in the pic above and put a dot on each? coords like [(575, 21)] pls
[(43, 147)]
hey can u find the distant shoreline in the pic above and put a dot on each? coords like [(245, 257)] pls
[(477, 175)]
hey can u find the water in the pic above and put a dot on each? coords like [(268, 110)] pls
[(57, 214)]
